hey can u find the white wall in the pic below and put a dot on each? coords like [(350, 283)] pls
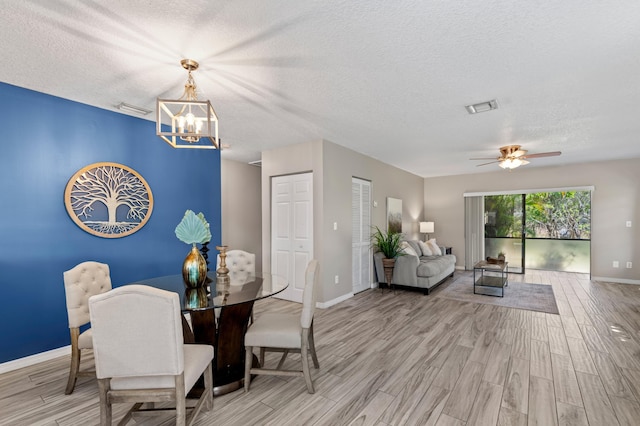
[(340, 165), (241, 209), (616, 199), (333, 167), (292, 159)]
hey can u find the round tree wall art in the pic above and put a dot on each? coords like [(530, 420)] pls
[(109, 200)]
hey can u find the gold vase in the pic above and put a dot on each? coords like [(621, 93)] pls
[(194, 269)]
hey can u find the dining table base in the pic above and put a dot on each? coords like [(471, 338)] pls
[(226, 335), (219, 316)]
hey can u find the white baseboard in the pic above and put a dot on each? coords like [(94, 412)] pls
[(616, 280), (30, 360), (335, 301)]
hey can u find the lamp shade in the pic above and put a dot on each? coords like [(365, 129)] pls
[(427, 227)]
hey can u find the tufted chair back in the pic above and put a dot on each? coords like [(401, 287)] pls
[(81, 282), (241, 264)]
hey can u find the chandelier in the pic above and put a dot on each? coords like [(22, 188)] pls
[(188, 122)]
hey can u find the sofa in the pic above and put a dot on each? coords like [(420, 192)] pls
[(414, 269)]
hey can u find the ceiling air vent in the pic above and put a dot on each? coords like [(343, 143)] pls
[(482, 107), (132, 108), (257, 163)]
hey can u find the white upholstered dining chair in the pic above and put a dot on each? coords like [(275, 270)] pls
[(81, 282), (241, 265), (140, 355), (282, 332)]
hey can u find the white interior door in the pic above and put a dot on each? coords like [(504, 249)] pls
[(361, 234), (292, 230)]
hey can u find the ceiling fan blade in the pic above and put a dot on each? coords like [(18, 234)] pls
[(542, 154), (483, 158), (490, 162)]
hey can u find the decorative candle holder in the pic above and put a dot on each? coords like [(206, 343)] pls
[(222, 271)]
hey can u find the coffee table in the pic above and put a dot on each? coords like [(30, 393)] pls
[(489, 277)]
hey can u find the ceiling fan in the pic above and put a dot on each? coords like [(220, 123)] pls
[(511, 156)]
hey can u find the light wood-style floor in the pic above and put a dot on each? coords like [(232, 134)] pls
[(405, 358)]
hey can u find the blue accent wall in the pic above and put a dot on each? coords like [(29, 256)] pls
[(44, 141)]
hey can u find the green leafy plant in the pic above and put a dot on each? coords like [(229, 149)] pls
[(389, 243), (193, 229)]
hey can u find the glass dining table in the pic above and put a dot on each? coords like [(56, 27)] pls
[(220, 313)]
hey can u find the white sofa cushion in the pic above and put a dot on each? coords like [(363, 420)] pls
[(435, 250), (426, 251)]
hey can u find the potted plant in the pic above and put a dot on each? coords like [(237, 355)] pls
[(389, 244), (497, 260), (194, 229)]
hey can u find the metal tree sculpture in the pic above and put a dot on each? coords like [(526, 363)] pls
[(112, 192)]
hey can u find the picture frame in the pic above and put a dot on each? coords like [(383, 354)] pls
[(394, 215)]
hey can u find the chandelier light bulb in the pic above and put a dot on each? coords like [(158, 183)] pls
[(190, 120)]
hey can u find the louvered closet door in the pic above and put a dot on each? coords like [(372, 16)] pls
[(361, 234)]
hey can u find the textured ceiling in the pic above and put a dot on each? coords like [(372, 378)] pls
[(387, 79)]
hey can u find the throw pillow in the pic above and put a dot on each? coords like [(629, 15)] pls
[(414, 245), (434, 247), (407, 249), (426, 251)]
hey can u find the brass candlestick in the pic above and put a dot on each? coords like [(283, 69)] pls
[(222, 271)]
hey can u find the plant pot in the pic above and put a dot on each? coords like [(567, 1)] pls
[(388, 265), (194, 269)]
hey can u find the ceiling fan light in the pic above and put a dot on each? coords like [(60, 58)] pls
[(512, 163), (512, 156)]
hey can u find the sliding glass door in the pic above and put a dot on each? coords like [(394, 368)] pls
[(504, 219), (542, 230), (558, 231)]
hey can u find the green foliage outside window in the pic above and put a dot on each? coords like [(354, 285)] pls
[(503, 216), (557, 215)]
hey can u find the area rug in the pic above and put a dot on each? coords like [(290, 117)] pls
[(534, 297)]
